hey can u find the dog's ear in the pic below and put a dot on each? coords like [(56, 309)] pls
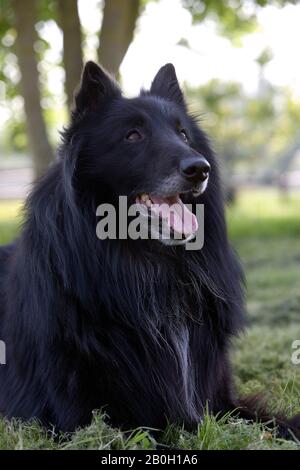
[(165, 85), (96, 86)]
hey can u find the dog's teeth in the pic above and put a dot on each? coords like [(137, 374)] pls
[(145, 197)]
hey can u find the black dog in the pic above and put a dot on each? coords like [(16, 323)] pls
[(136, 327)]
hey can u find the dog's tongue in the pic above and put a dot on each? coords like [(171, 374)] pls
[(179, 217)]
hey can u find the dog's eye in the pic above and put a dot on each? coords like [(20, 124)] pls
[(133, 135), (183, 135)]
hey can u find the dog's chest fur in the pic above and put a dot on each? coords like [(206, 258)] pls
[(163, 356)]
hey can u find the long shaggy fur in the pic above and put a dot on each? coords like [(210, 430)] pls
[(136, 328)]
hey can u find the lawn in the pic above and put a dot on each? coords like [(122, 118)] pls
[(265, 230)]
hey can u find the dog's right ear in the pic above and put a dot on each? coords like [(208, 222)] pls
[(96, 86)]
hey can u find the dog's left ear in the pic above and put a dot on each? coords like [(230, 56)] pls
[(165, 85)]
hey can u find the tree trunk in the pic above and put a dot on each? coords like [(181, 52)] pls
[(72, 50), (118, 25), (25, 17)]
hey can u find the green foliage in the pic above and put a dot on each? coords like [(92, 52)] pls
[(233, 18), (250, 130), (14, 135), (6, 16)]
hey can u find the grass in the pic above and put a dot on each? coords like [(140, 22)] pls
[(265, 230), (9, 220)]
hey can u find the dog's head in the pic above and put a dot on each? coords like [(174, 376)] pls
[(146, 148)]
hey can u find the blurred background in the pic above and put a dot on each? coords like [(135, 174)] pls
[(238, 62)]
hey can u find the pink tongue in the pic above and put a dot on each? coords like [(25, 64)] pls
[(179, 217)]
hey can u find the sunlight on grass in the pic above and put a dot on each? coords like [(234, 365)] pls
[(264, 213), (9, 210), (10, 219)]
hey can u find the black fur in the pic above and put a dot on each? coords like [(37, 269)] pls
[(135, 327)]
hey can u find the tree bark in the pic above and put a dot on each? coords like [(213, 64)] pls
[(118, 25), (72, 49), (25, 18)]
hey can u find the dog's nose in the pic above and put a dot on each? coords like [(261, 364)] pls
[(195, 169)]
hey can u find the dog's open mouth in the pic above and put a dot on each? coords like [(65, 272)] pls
[(177, 221)]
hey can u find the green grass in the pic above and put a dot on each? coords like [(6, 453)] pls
[(265, 230), (9, 220), (265, 214)]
